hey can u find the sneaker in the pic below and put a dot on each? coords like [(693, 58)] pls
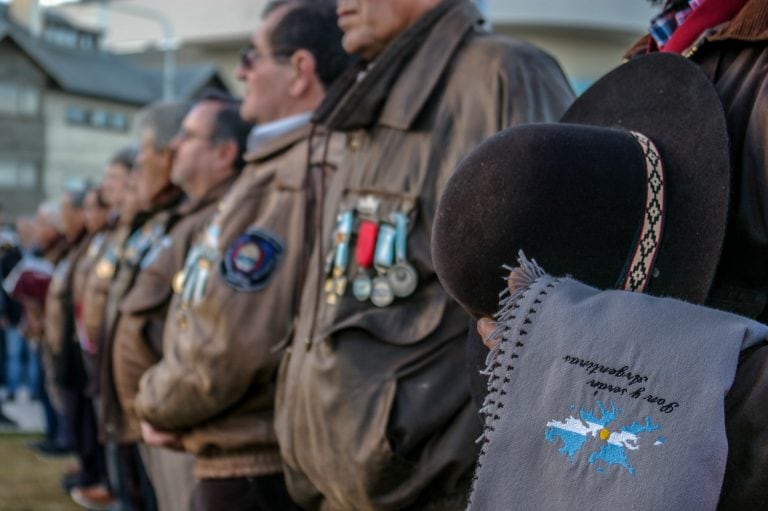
[(49, 449), (70, 480), (93, 497)]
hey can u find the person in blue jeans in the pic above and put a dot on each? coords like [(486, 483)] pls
[(20, 362)]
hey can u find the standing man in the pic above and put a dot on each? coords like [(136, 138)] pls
[(67, 369), (160, 198), (727, 39), (370, 414), (235, 300), (208, 156)]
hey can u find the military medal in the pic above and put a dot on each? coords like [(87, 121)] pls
[(402, 276), (95, 245), (189, 284), (337, 284), (105, 269), (362, 286), (403, 279), (201, 282), (106, 266), (178, 281), (382, 294)]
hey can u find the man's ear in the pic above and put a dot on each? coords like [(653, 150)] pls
[(166, 156), (304, 65), (227, 153)]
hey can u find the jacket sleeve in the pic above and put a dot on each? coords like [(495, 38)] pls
[(753, 183), (222, 348), (746, 478), (532, 88)]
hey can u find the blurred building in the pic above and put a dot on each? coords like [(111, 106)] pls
[(65, 104), (588, 37), (70, 91)]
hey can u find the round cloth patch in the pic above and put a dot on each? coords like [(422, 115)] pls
[(251, 260)]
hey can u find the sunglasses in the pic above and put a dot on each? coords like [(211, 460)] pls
[(249, 56)]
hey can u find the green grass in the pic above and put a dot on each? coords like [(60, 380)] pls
[(29, 483)]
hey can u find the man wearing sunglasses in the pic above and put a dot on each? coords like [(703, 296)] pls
[(236, 296)]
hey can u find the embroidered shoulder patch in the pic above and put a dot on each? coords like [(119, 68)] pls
[(250, 260)]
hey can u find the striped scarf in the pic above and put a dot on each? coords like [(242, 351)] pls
[(665, 24)]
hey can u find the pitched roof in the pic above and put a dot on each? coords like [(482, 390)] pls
[(102, 74)]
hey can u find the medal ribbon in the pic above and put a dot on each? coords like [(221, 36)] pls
[(343, 233), (385, 246), (366, 243), (401, 236)]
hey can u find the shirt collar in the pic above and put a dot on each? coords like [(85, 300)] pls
[(262, 134)]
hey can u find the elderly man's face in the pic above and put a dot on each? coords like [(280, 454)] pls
[(44, 232), (194, 147), (370, 25), (94, 213), (113, 183), (153, 169), (71, 216)]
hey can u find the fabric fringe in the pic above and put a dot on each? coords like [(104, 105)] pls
[(521, 278)]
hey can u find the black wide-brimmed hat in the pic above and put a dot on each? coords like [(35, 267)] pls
[(630, 190)]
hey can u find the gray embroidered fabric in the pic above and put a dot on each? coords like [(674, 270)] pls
[(606, 400)]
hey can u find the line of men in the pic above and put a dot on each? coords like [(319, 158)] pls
[(259, 326)]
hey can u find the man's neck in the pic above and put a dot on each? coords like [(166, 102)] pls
[(163, 196), (199, 191)]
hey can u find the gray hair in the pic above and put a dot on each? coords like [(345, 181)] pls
[(163, 119), (50, 211), (125, 156), (77, 191)]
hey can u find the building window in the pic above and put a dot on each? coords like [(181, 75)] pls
[(76, 115), (70, 37), (99, 118), (118, 121), (96, 118), (19, 99), (18, 174)]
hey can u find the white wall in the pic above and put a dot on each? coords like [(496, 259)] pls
[(77, 152), (614, 15)]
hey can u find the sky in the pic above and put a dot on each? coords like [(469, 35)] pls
[(46, 3)]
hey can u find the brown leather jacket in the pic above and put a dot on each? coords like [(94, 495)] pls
[(138, 339), (148, 229), (60, 329), (735, 57), (233, 311), (97, 244), (96, 294), (373, 408), (96, 282)]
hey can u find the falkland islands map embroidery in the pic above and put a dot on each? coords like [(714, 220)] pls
[(610, 444)]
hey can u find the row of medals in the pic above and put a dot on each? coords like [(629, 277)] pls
[(132, 250), (394, 276)]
